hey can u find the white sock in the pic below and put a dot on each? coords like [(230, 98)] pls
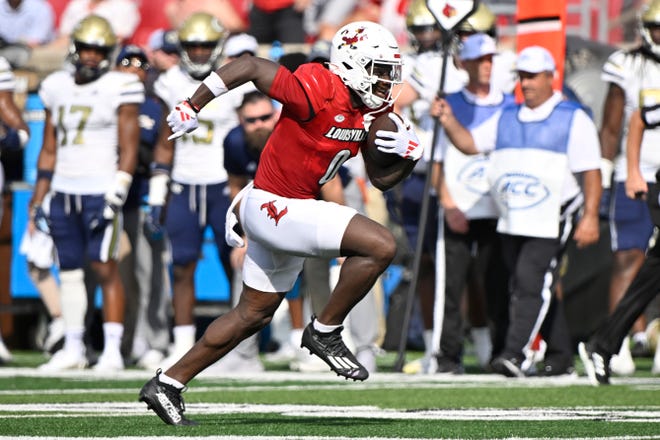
[(428, 342), (73, 299), (624, 351), (184, 337), (324, 328), (74, 306), (482, 343), (164, 378), (73, 340), (295, 336), (112, 333)]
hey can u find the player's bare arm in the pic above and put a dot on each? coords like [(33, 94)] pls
[(636, 185), (128, 136), (457, 134), (10, 114), (236, 182), (588, 229), (258, 70), (45, 162), (612, 122), (164, 148)]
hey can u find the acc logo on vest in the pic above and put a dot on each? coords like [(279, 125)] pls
[(520, 191), (473, 176)]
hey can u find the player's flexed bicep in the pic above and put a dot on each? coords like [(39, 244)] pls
[(262, 72)]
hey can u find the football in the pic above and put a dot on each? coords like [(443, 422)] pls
[(382, 122)]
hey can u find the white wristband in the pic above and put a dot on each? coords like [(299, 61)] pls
[(606, 170), (215, 84), (119, 191), (158, 189)]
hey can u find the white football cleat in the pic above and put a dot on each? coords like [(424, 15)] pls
[(65, 360), (622, 364), (109, 363), (151, 360), (5, 355), (55, 334)]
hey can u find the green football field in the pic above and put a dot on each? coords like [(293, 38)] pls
[(278, 404)]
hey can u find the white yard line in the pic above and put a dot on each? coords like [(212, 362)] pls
[(645, 415), (377, 379)]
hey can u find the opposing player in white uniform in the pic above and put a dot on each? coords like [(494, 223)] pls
[(627, 73), (14, 133), (87, 159), (199, 195)]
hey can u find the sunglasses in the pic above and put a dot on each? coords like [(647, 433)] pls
[(135, 62), (262, 118)]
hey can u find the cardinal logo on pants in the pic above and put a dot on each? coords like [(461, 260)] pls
[(272, 211)]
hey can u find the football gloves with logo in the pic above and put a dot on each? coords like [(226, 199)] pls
[(183, 119), (403, 142)]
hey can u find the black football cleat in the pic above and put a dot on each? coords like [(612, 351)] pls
[(166, 401), (596, 365), (509, 367), (331, 349)]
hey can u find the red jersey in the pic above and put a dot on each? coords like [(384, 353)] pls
[(318, 130)]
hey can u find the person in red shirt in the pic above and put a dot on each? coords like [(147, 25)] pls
[(324, 118)]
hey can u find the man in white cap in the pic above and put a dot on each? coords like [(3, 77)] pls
[(470, 214), (240, 44), (538, 148)]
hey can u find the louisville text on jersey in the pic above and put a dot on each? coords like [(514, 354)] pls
[(346, 134)]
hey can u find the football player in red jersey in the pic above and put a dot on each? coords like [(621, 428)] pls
[(324, 116)]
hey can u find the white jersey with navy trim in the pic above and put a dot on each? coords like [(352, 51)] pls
[(7, 79), (199, 156), (85, 121), (634, 72)]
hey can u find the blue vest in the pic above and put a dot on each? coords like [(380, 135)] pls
[(472, 115), (549, 134)]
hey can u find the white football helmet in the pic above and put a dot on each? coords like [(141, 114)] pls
[(649, 17), (366, 57)]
